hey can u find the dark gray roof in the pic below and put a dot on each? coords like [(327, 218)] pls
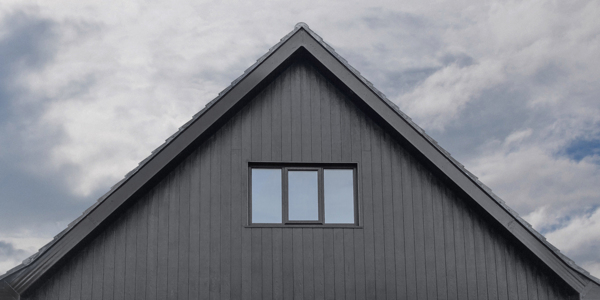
[(393, 106)]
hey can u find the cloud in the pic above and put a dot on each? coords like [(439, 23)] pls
[(580, 239), (11, 256), (509, 88)]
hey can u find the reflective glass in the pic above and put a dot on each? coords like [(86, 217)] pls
[(303, 196), (266, 195), (339, 196)]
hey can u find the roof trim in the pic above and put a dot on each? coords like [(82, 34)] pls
[(301, 41)]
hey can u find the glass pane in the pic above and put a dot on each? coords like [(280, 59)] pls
[(303, 196), (266, 196), (339, 196)]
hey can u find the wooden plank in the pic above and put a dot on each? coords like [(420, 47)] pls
[(378, 230), (419, 231), (542, 286), (64, 284), (276, 144), (205, 211), (163, 234), (298, 263), (296, 113), (225, 214), (215, 213), (336, 126), (236, 132), (152, 263), (359, 246), (266, 123), (511, 273), (109, 265), (54, 288), (194, 225), (501, 267), (120, 252), (319, 273), (288, 264), (257, 263), (479, 239), (409, 236), (521, 275), (397, 194), (490, 262), (256, 122), (368, 224), (350, 283), (98, 267), (429, 236), (449, 244), (88, 270), (77, 274), (236, 220), (286, 115), (246, 232), (459, 244), (173, 252), (440, 250), (305, 113), (531, 280), (315, 80), (388, 217), (328, 263), (308, 260), (338, 262), (184, 230), (346, 129), (141, 248), (471, 266), (267, 263), (277, 263), (326, 139), (365, 134)]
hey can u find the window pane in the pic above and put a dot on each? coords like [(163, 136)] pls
[(303, 196), (339, 196), (266, 195)]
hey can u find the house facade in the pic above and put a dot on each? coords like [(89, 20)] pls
[(300, 181)]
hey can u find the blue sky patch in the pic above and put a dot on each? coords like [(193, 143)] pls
[(581, 148)]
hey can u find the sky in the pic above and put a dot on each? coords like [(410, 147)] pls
[(510, 88)]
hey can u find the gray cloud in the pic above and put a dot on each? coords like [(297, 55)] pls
[(86, 94), (8, 251)]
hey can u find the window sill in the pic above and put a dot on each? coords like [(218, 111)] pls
[(345, 226)]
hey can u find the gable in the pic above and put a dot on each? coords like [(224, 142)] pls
[(382, 129), (187, 237)]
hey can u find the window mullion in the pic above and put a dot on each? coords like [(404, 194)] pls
[(321, 188), (285, 195)]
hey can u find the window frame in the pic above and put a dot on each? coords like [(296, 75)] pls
[(320, 168)]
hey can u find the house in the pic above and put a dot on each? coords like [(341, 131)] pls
[(299, 181)]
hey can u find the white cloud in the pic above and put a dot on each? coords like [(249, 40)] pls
[(442, 96), (126, 75)]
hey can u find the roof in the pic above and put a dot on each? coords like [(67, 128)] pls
[(300, 41)]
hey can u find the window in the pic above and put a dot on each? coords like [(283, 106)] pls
[(303, 194)]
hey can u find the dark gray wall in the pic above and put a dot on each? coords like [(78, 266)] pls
[(186, 239)]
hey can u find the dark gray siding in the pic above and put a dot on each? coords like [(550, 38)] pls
[(186, 238)]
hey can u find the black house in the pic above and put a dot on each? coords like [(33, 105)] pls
[(299, 181)]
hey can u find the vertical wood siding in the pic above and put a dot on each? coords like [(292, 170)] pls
[(186, 238)]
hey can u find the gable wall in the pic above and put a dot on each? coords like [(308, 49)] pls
[(186, 240)]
